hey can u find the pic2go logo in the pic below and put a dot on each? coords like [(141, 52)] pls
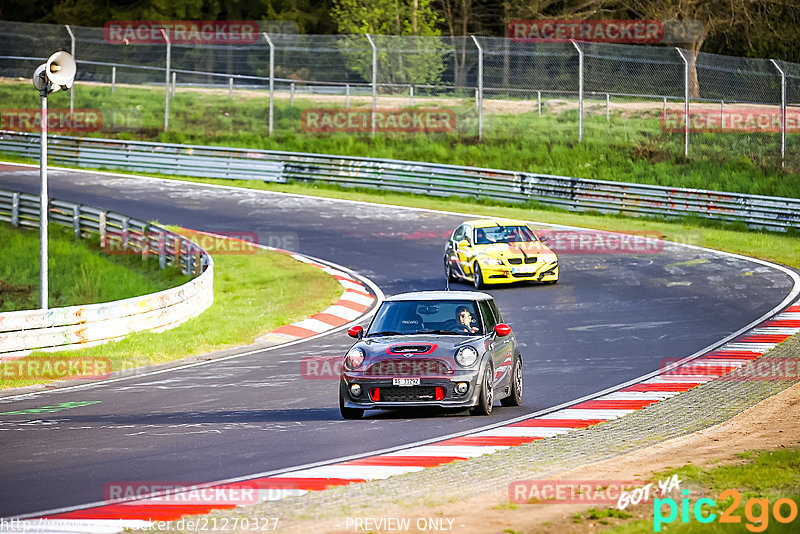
[(758, 522)]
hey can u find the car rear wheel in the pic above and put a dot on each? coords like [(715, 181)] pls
[(448, 270), (486, 398), (349, 413), (478, 277), (515, 398)]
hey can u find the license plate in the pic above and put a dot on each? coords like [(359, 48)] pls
[(519, 270), (405, 381)]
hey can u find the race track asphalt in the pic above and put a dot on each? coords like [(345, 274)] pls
[(611, 318)]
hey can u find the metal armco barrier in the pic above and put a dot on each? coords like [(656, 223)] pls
[(577, 194), (91, 324)]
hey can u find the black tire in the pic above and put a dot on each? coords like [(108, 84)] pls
[(478, 276), (515, 398), (486, 398), (349, 413), (448, 270)]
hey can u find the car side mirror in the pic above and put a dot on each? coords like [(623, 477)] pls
[(543, 239), (356, 332), (502, 329)]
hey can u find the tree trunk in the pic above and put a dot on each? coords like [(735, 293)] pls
[(694, 82)]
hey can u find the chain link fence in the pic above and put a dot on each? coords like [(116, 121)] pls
[(470, 88)]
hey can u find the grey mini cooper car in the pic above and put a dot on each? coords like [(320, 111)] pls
[(449, 349)]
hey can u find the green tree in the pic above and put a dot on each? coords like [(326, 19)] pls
[(409, 50)]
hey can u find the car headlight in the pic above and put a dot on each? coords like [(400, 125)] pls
[(466, 356), (354, 358), (491, 261)]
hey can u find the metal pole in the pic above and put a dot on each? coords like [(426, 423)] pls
[(271, 80), (230, 88), (43, 202), (480, 87), (173, 83), (608, 105), (783, 112), (410, 95), (291, 95), (539, 102), (686, 102), (580, 90), (113, 77), (374, 79), (721, 115), (72, 92), (347, 96), (166, 79)]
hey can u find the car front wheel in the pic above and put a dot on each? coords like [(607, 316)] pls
[(515, 398), (478, 275), (486, 398), (349, 413)]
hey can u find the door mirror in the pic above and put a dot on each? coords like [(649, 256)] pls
[(543, 239), (502, 329), (356, 332)]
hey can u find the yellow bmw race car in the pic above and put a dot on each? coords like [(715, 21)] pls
[(498, 251)]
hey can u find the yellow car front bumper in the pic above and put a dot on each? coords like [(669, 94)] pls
[(508, 274)]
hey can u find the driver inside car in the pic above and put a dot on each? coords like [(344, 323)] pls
[(464, 318)]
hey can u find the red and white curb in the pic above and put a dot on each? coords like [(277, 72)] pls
[(666, 383), (352, 304)]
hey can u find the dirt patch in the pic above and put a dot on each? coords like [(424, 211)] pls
[(770, 424)]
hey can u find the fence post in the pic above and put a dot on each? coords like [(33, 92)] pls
[(480, 87), (347, 96), (230, 88), (76, 221), (374, 79), (410, 95), (72, 92), (580, 90), (101, 227), (271, 79), (722, 114), (539, 102), (608, 106), (166, 79), (113, 78), (783, 112), (686, 102), (291, 94), (174, 76), (15, 209)]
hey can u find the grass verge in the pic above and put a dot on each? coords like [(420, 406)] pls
[(630, 147), (79, 271), (253, 295)]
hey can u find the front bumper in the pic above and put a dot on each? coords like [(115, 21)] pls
[(504, 274), (451, 399)]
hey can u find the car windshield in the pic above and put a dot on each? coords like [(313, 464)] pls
[(504, 234), (451, 317)]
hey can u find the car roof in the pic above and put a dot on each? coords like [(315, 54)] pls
[(440, 295), (485, 223)]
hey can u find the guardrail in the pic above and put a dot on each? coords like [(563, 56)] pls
[(576, 194), (91, 324)]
